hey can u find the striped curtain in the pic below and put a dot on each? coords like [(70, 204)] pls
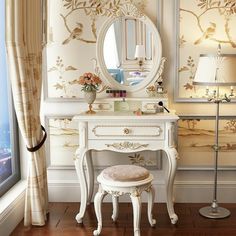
[(24, 52)]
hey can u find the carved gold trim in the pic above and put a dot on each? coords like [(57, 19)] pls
[(127, 145), (159, 130), (115, 193)]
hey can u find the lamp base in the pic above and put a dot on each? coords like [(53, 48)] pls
[(214, 213)]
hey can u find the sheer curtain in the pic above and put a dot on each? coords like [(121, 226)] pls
[(24, 49)]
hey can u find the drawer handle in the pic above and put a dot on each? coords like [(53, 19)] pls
[(126, 131)]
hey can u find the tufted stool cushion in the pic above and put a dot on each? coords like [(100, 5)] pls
[(125, 173)]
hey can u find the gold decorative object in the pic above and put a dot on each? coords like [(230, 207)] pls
[(90, 97), (127, 145), (126, 131), (90, 83)]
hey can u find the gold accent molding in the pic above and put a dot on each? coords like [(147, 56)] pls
[(127, 145)]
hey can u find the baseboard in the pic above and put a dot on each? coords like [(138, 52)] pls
[(12, 209), (184, 191)]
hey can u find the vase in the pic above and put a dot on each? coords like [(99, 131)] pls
[(90, 97)]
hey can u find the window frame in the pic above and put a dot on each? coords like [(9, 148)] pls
[(15, 154), (14, 140)]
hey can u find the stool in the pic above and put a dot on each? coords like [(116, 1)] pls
[(124, 179)]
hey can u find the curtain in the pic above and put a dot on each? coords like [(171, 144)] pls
[(24, 52)]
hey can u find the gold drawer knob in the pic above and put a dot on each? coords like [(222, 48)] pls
[(126, 131)]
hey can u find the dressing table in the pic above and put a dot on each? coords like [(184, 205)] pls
[(118, 128)]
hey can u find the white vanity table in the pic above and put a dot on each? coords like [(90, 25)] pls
[(124, 131)]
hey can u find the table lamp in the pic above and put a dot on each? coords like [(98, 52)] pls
[(216, 70), (140, 54)]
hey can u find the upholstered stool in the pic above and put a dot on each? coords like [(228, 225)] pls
[(124, 179)]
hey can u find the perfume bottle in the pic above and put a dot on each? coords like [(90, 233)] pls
[(160, 88)]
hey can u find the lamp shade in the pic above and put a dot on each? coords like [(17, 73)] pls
[(140, 51), (216, 70)]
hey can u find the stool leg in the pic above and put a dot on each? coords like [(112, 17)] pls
[(151, 196), (115, 205), (97, 205), (136, 202)]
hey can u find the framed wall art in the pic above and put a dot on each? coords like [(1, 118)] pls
[(201, 25), (196, 136)]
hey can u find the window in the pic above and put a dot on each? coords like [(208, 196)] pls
[(9, 155)]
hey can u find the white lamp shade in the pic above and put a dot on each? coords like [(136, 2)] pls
[(140, 51), (216, 70)]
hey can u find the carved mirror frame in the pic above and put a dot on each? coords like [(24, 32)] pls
[(128, 11)]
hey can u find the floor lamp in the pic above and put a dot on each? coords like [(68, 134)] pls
[(216, 70)]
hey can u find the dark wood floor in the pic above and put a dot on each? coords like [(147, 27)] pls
[(62, 222)]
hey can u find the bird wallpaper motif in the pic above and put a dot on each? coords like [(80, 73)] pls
[(196, 136), (203, 25), (72, 30)]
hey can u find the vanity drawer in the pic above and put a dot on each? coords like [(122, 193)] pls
[(126, 131), (103, 106)]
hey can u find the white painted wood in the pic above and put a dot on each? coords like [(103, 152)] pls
[(115, 204), (12, 208), (120, 143), (97, 205), (132, 13), (136, 202), (116, 188), (151, 196)]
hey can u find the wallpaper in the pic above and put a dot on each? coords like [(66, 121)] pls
[(203, 25), (196, 138), (72, 30)]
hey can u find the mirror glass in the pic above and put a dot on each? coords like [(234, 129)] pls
[(129, 50)]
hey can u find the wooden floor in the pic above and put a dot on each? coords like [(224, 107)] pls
[(62, 222)]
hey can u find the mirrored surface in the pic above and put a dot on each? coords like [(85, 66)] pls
[(129, 51)]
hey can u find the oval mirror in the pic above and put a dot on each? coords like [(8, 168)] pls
[(129, 51)]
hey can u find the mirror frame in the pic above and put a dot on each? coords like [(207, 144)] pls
[(132, 12)]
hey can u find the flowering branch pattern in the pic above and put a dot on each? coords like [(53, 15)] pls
[(226, 8), (60, 68), (137, 159), (190, 68), (210, 29), (92, 9), (231, 125)]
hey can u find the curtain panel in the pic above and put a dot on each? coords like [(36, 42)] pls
[(24, 51)]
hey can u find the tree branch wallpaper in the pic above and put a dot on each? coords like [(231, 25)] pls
[(203, 25)]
